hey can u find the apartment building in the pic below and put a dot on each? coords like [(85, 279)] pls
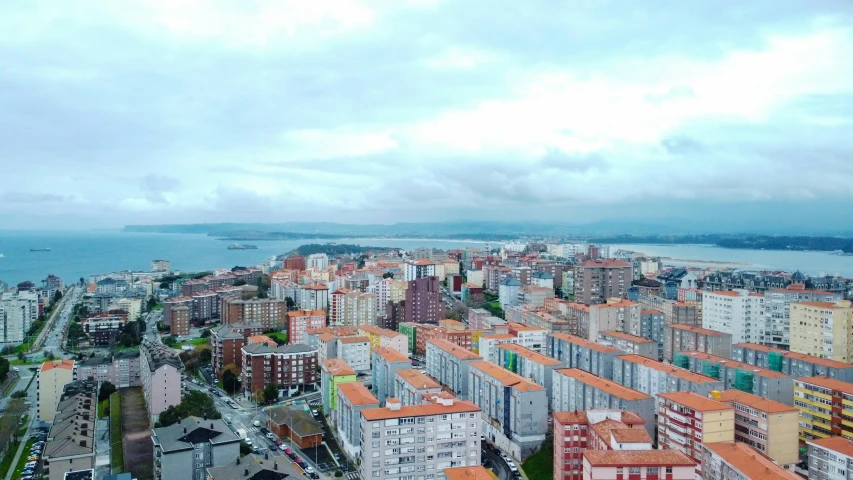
[(333, 372), (384, 365), (382, 337), (598, 280), (314, 297), (185, 450), (738, 461), (830, 458), (686, 421), (652, 377), (181, 320), (508, 290), (52, 378), (577, 352), (250, 467), (650, 326), (791, 363), (352, 399), (352, 308), (578, 431), (355, 351), (825, 405), (161, 370), (226, 344), (411, 385), (122, 369), (300, 321), (674, 312), (175, 302), (740, 376), (269, 312), (423, 301), (17, 313), (285, 366), (767, 426), (419, 439), (533, 366), (514, 409), (777, 311), (449, 364), (575, 389), (823, 329), (388, 290), (738, 312), (533, 338), (70, 445), (681, 338), (648, 464), (419, 268), (629, 343)]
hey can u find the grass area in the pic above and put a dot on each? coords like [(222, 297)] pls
[(541, 463), (278, 337), (23, 430), (6, 463), (28, 361), (159, 306), (192, 343), (117, 450), (104, 408), (23, 460)]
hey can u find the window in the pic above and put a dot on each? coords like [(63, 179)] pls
[(652, 470), (634, 470), (668, 469)]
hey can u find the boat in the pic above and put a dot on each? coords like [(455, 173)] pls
[(40, 249), (242, 246), (2, 256)]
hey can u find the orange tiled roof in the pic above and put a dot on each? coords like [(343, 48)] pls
[(627, 336), (829, 305), (391, 355), (754, 401), (602, 384), (584, 343), (672, 370), (458, 406), (830, 383), (338, 367), (354, 339), (478, 472), (749, 461), (696, 402), (63, 364), (357, 394), (529, 354), (631, 435), (261, 339), (417, 379), (509, 379), (691, 328), (836, 444), (761, 372), (636, 458), (455, 350)]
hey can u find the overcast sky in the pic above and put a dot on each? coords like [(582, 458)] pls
[(121, 111)]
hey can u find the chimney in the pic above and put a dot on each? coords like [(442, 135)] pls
[(275, 466), (246, 472), (211, 425), (185, 429), (238, 460)]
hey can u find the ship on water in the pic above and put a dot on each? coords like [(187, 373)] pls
[(242, 246), (40, 249)]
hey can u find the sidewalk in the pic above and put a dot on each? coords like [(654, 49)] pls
[(20, 449)]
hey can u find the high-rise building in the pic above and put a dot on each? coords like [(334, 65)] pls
[(767, 426), (17, 313), (319, 261), (830, 458), (300, 321), (598, 280), (420, 268), (686, 421), (679, 338), (289, 366), (738, 312), (777, 311), (423, 301), (161, 371), (823, 329), (71, 441), (825, 404), (52, 378)]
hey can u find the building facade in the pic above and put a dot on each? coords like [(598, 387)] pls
[(680, 338), (823, 329), (450, 365), (598, 280), (384, 365), (185, 450), (767, 426), (52, 378), (352, 399), (423, 301), (738, 312), (628, 343), (285, 366)]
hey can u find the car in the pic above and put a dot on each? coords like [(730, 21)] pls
[(482, 438), (309, 470), (296, 459), (26, 477), (248, 441), (303, 464), (271, 435), (512, 466), (259, 450), (31, 463), (312, 475), (292, 456), (277, 442), (337, 457), (288, 451), (516, 474), (314, 412), (264, 430)]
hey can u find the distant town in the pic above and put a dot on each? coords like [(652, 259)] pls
[(515, 360)]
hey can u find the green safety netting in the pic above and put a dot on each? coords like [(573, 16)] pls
[(774, 361), (711, 370), (743, 381), (681, 360), (510, 361)]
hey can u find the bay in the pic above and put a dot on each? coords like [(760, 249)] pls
[(811, 263), (82, 253)]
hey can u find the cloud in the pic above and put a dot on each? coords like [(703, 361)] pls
[(381, 110)]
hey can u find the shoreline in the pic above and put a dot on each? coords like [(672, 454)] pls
[(697, 262)]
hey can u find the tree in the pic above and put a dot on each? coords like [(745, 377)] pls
[(388, 275), (239, 283), (361, 259), (230, 383), (82, 281), (291, 305), (57, 296), (170, 340), (4, 369), (19, 394), (339, 474), (204, 354), (22, 357), (270, 393), (195, 404), (205, 333), (107, 389), (245, 449), (49, 355)]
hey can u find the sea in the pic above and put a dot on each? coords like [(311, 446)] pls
[(79, 254)]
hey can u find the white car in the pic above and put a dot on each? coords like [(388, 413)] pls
[(309, 469), (512, 466)]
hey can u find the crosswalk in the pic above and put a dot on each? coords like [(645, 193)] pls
[(316, 403), (352, 476)]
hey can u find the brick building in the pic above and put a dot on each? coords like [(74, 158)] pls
[(598, 280), (283, 366), (423, 301)]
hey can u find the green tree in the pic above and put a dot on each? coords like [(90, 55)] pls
[(239, 283), (107, 389), (205, 333), (245, 449), (270, 393), (170, 340), (57, 296), (196, 404), (19, 394), (4, 369), (230, 382), (291, 305), (204, 354), (387, 275)]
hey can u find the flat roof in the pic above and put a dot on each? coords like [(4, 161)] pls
[(696, 402), (509, 379), (754, 401), (750, 462), (602, 384)]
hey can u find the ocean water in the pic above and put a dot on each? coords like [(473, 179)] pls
[(812, 263), (79, 254)]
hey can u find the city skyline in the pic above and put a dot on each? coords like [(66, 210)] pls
[(356, 111)]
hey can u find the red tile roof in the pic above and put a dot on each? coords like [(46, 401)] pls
[(584, 343), (602, 384), (458, 406), (357, 394), (749, 462), (509, 379), (696, 402), (651, 458), (754, 401), (627, 336)]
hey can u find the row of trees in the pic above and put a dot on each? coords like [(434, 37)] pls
[(10, 420), (194, 404), (4, 369)]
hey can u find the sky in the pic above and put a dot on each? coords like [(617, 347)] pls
[(182, 111)]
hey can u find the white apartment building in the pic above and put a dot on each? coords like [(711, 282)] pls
[(358, 309), (388, 290), (355, 351), (420, 268), (320, 261), (737, 312), (52, 378), (419, 441), (17, 313)]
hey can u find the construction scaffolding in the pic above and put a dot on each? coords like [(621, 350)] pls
[(711, 370), (743, 380), (681, 360), (774, 361)]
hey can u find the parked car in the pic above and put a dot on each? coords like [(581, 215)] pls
[(312, 475), (288, 451), (277, 442), (296, 459), (303, 464), (314, 412), (271, 435), (264, 430), (309, 469)]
